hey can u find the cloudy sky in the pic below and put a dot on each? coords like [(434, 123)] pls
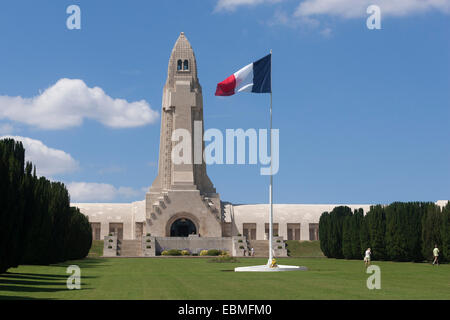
[(363, 114)]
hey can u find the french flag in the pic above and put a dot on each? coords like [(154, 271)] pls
[(254, 77)]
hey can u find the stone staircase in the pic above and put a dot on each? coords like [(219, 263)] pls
[(130, 248), (260, 247), (211, 207)]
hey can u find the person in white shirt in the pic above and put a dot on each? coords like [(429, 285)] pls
[(367, 257), (436, 255)]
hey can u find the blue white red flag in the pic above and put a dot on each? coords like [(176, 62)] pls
[(254, 77)]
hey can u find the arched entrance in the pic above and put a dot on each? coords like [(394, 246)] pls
[(182, 227)]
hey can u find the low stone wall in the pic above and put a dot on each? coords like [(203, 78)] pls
[(149, 246), (194, 244), (239, 246), (110, 246), (279, 247)]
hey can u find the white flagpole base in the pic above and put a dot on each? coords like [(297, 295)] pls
[(265, 268)]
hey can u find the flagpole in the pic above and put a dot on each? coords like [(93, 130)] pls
[(271, 176)]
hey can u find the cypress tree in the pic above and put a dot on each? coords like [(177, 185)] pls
[(12, 202), (445, 232), (324, 230), (37, 224), (337, 216), (396, 242), (347, 238), (364, 235), (431, 231), (376, 223), (357, 220)]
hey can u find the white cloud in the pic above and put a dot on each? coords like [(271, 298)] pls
[(48, 161), (6, 128), (357, 8), (231, 5), (100, 192), (69, 101)]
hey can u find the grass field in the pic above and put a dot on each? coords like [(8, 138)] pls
[(304, 249), (198, 278), (96, 249)]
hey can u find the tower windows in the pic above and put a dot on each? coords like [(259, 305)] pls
[(179, 65), (186, 65)]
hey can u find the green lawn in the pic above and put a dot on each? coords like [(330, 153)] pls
[(197, 278), (96, 249), (304, 249)]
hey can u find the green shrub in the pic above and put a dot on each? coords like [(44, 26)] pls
[(204, 252), (165, 253), (174, 252), (185, 252), (213, 252)]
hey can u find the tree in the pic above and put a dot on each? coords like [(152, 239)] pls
[(357, 220), (396, 242), (376, 226), (337, 216), (431, 231), (347, 237), (37, 224), (12, 161), (445, 232), (324, 231)]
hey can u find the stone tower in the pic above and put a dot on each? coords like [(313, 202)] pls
[(182, 200)]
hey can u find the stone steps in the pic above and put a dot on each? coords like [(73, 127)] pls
[(260, 247), (130, 248)]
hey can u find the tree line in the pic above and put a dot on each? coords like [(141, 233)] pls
[(396, 232), (37, 224)]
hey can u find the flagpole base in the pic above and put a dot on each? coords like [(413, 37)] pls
[(265, 268)]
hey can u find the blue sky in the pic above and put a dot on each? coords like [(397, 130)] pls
[(363, 114)]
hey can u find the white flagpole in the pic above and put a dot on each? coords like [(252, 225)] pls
[(271, 176)]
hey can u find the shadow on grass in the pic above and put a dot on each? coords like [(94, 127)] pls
[(84, 263), (20, 298), (20, 285), (37, 276), (17, 282)]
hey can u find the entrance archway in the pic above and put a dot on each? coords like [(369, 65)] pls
[(182, 227)]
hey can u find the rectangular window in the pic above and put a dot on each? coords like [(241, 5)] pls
[(313, 231), (139, 230), (275, 230), (293, 230), (249, 230), (96, 228), (116, 229)]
